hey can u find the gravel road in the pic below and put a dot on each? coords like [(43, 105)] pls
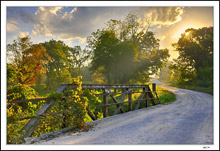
[(188, 120)]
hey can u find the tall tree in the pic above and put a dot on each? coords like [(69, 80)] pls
[(57, 68), (29, 60), (126, 50), (195, 61)]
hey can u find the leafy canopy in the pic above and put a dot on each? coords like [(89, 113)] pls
[(29, 61), (126, 51), (195, 61)]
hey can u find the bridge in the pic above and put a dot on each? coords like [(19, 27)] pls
[(126, 91), (186, 121)]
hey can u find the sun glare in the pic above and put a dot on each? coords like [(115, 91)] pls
[(187, 33), (178, 33)]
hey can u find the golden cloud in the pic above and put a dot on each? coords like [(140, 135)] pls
[(12, 26)]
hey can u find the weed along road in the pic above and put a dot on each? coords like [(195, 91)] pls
[(188, 120)]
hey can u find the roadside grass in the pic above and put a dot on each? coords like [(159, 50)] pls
[(208, 90), (165, 97)]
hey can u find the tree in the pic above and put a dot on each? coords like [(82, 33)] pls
[(112, 56), (195, 61), (77, 58), (57, 68), (11, 75), (29, 60), (126, 50)]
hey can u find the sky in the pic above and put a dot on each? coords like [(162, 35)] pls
[(74, 24)]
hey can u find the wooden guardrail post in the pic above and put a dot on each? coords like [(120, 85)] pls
[(145, 96), (154, 90), (141, 97), (151, 96), (105, 109), (129, 99), (154, 87)]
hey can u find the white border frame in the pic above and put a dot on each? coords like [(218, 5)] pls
[(5, 4)]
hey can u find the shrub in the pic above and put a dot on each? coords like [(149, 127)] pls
[(20, 92), (16, 111)]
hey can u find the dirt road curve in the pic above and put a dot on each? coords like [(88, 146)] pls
[(188, 120)]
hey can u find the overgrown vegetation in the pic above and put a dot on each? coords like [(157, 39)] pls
[(16, 111), (69, 110)]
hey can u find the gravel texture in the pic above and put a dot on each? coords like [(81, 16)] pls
[(188, 120)]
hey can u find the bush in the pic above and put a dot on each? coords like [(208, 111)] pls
[(20, 92), (16, 111), (69, 109)]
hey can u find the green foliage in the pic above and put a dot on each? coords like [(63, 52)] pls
[(40, 89), (165, 96), (113, 56), (57, 68), (16, 111), (20, 92), (126, 46), (86, 73), (52, 120), (11, 75), (194, 66), (98, 76), (69, 109), (208, 89), (77, 57), (14, 121)]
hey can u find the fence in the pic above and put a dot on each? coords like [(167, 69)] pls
[(107, 91)]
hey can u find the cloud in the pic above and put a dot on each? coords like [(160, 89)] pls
[(71, 23), (23, 34), (50, 22), (161, 16), (65, 23), (69, 16), (76, 23), (12, 26)]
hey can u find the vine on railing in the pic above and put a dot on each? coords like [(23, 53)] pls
[(17, 110), (70, 106), (69, 110)]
